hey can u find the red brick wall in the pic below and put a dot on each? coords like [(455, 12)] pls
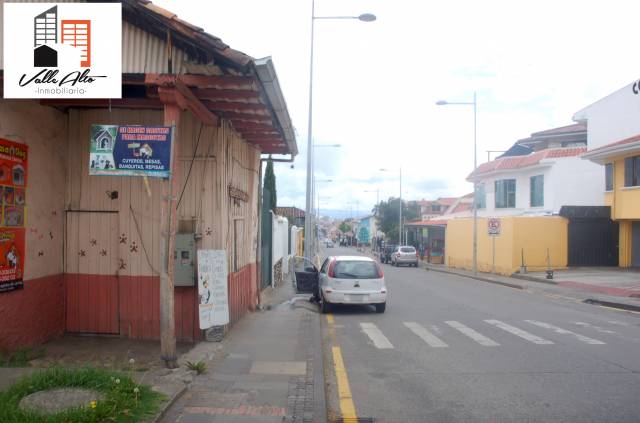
[(32, 315)]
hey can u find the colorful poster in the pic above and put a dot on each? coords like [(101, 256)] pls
[(130, 150), (13, 184), (212, 288)]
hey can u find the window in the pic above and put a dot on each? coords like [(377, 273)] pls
[(481, 199), (632, 171), (355, 270), (324, 267), (608, 177), (537, 191), (407, 250), (505, 193)]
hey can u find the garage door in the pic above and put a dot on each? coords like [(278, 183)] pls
[(593, 242)]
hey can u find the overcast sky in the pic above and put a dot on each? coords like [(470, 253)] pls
[(532, 63)]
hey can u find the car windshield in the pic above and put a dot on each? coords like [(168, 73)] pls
[(356, 269), (407, 250)]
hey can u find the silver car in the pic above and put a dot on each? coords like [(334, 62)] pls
[(404, 254)]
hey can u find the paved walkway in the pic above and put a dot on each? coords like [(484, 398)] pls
[(610, 281), (268, 369)]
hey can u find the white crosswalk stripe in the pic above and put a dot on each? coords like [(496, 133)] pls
[(478, 337), (566, 332), (519, 332), (596, 328), (379, 340), (425, 335)]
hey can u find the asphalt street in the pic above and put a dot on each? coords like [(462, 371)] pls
[(452, 349)]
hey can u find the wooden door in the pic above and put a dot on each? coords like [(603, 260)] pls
[(91, 268)]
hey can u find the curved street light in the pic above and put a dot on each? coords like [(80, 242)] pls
[(308, 225)]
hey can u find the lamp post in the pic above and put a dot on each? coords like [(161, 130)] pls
[(400, 213), (308, 225), (475, 165)]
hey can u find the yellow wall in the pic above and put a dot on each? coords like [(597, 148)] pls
[(624, 202), (534, 235), (624, 244)]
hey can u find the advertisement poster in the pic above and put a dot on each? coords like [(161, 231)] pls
[(130, 150), (13, 184), (212, 288)]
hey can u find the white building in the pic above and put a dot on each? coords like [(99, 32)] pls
[(539, 175)]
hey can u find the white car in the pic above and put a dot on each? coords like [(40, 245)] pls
[(351, 280)]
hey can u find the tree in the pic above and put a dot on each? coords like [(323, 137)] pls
[(270, 186), (387, 215), (344, 227)]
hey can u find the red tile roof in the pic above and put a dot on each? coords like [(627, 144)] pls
[(517, 162), (460, 207), (431, 222), (447, 201)]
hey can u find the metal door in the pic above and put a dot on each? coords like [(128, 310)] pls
[(593, 242), (91, 267)]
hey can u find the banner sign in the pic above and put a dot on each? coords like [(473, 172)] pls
[(13, 184), (212, 288), (130, 150), (493, 226)]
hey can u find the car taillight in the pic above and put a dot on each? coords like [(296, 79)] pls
[(380, 273), (330, 271)]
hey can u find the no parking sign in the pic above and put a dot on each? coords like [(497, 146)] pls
[(493, 226)]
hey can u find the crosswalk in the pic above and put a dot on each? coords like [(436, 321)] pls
[(477, 332)]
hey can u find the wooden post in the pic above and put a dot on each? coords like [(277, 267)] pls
[(169, 219)]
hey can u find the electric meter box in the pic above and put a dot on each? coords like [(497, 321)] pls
[(184, 263)]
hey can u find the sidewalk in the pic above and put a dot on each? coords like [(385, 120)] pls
[(537, 283), (268, 369)]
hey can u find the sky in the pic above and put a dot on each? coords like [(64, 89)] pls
[(533, 64)]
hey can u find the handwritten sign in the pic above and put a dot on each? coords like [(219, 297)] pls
[(212, 288)]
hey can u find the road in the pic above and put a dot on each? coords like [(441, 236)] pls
[(453, 349)]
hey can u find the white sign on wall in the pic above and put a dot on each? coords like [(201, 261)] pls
[(62, 50), (493, 226), (212, 288)]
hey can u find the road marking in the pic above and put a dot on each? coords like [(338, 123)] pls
[(347, 407), (596, 328), (330, 319), (425, 335), (519, 332), (478, 337), (566, 332), (378, 338)]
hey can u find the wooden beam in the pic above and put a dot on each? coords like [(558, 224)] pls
[(246, 116), (204, 81), (249, 133), (228, 95), (196, 106), (264, 140), (129, 103), (169, 223), (240, 126), (235, 106)]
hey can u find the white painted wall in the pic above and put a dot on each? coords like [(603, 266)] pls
[(612, 118), (568, 181)]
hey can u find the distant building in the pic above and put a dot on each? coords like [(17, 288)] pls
[(293, 214)]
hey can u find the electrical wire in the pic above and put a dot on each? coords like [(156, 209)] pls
[(195, 151)]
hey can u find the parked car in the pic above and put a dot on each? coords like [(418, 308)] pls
[(404, 254), (385, 254), (328, 243), (351, 280)]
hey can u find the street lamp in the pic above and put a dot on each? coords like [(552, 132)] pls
[(366, 17), (475, 165), (400, 214)]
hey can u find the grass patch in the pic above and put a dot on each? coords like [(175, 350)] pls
[(125, 401), (21, 357)]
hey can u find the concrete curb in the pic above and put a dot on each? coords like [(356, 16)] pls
[(167, 404), (479, 278), (533, 279), (621, 306)]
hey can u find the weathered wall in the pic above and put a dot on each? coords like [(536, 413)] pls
[(122, 236), (531, 234), (36, 313)]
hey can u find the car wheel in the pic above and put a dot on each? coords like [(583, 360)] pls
[(380, 307), (325, 307)]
